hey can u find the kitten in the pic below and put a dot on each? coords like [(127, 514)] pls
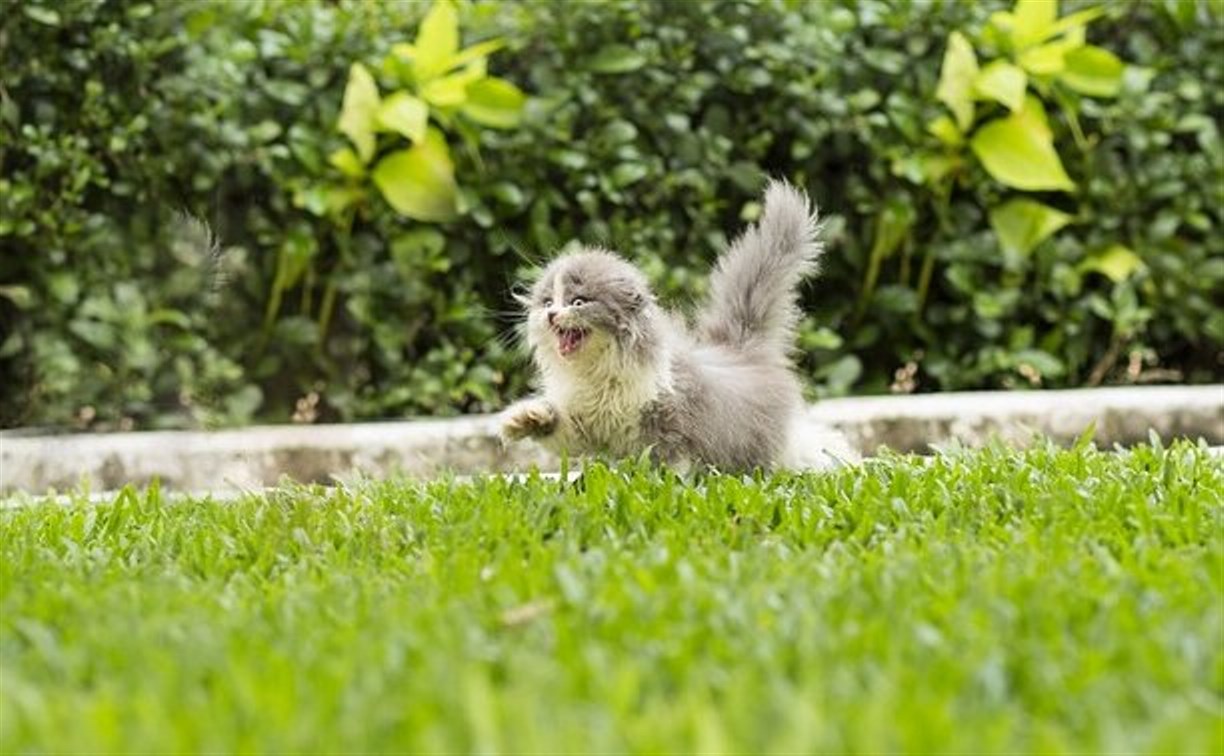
[(621, 375)]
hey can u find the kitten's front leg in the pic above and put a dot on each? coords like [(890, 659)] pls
[(534, 418)]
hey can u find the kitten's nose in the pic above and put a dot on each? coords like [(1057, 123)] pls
[(552, 315)]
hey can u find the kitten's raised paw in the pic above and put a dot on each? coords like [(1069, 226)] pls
[(531, 418)]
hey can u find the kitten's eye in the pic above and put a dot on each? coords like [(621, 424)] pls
[(548, 301), (576, 301)]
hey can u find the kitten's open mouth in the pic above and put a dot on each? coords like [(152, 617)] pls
[(569, 340)]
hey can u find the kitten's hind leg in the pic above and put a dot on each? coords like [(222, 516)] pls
[(530, 418)]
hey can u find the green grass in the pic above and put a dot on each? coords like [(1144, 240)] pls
[(1048, 600)]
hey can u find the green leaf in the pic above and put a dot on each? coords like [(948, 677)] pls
[(998, 29), (1002, 82), (475, 52), (1075, 22), (1031, 21), (347, 162), (327, 199), (20, 296), (405, 114), (1051, 58), (1022, 224), (842, 373), (452, 90), (420, 182), (437, 41), (820, 338), (419, 251), (508, 194), (627, 174), (297, 249), (45, 16), (926, 167), (1116, 262), (891, 227), (956, 79), (1046, 364), (358, 111), (616, 59), (337, 199), (1018, 151), (944, 129), (1093, 71), (494, 102), (1085, 439)]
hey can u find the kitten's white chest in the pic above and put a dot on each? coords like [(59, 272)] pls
[(602, 409)]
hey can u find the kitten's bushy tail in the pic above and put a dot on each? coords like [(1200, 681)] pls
[(752, 291)]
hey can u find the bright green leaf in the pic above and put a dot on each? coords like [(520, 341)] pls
[(437, 41), (956, 79), (1002, 82), (615, 59), (1093, 71), (1115, 262), (1051, 58), (936, 168), (1019, 151), (494, 102), (358, 111), (945, 130), (1022, 224), (445, 92), (998, 28), (1031, 21), (337, 199), (397, 67), (476, 51), (420, 182), (1035, 112), (1075, 22), (451, 90), (405, 114), (347, 162)]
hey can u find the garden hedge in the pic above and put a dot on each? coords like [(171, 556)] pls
[(650, 128)]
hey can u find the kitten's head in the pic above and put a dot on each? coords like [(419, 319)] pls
[(586, 306)]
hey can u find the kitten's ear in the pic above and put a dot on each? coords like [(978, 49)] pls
[(641, 298), (630, 297), (521, 295)]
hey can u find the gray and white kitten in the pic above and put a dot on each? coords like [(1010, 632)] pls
[(620, 375)]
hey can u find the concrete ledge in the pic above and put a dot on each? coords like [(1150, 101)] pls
[(1123, 415), (252, 458)]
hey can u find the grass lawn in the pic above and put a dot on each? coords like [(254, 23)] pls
[(1047, 600)]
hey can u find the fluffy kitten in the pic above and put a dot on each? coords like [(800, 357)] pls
[(620, 375)]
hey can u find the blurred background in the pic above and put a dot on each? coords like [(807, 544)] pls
[(1016, 196)]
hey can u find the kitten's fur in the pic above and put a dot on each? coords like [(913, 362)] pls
[(620, 375)]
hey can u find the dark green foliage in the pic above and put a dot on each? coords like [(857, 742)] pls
[(652, 128)]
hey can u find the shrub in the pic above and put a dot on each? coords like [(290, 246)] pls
[(650, 128)]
